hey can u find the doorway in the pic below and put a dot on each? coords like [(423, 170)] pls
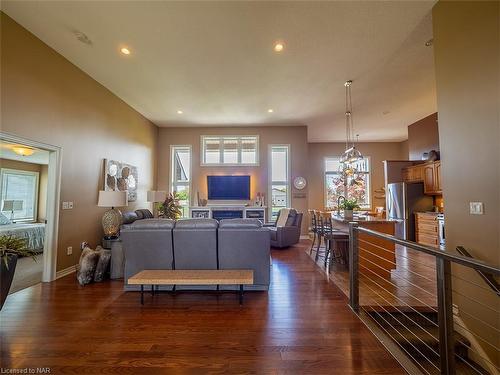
[(33, 213)]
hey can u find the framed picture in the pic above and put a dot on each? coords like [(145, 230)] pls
[(120, 176)]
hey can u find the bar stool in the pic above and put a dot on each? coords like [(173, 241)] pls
[(335, 239), (320, 232), (314, 228)]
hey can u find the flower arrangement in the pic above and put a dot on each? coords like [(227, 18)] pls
[(170, 208)]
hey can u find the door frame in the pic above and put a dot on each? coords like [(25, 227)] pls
[(53, 196)]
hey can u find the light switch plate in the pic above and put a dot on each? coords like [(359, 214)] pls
[(476, 208), (64, 205), (70, 205)]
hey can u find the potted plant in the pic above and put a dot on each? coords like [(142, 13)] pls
[(170, 208), (349, 205), (10, 249)]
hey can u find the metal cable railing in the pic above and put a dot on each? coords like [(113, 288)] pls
[(433, 304)]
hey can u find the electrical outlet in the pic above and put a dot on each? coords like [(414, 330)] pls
[(476, 208), (69, 250)]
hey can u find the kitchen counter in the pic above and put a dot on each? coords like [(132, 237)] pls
[(377, 256), (365, 219)]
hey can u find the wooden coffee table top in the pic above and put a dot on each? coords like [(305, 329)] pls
[(192, 277)]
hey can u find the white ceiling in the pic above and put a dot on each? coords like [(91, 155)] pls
[(38, 157), (214, 60)]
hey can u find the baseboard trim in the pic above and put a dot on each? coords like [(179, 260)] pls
[(65, 272)]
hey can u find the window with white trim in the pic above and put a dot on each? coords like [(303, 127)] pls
[(230, 150), (352, 186), (22, 188), (279, 179), (180, 172)]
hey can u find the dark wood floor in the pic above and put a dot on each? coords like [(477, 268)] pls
[(302, 326)]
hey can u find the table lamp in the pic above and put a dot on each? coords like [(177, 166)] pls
[(12, 205), (112, 219), (156, 197)]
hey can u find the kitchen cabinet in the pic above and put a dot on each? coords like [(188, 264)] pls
[(428, 173), (432, 178), (427, 228)]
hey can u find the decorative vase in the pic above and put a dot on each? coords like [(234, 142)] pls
[(111, 221), (6, 276), (348, 214)]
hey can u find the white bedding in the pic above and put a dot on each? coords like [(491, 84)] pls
[(34, 233)]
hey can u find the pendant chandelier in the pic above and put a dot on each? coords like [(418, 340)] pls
[(351, 154)]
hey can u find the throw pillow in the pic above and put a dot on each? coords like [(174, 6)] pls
[(86, 266), (102, 264)]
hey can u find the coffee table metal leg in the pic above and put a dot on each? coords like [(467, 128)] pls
[(152, 290), (142, 294), (241, 294)]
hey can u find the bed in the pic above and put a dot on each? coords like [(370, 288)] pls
[(34, 233)]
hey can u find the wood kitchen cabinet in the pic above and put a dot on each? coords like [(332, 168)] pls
[(432, 178), (427, 228), (428, 173)]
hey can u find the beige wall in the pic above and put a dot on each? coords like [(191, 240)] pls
[(466, 50), (296, 137), (48, 99), (423, 136), (42, 181), (378, 152)]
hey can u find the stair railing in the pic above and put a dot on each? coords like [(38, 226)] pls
[(425, 282)]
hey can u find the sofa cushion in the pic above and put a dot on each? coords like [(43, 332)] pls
[(144, 213), (200, 223), (240, 223), (274, 233), (150, 224), (129, 217), (292, 216)]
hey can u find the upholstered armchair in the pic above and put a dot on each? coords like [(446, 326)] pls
[(286, 231)]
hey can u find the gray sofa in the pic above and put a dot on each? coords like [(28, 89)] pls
[(198, 244), (289, 234), (147, 245)]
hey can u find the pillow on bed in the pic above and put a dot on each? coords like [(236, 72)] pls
[(4, 220)]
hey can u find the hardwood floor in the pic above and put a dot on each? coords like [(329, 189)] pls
[(302, 326)]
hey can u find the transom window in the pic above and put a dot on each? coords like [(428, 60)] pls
[(19, 194), (230, 150), (352, 186)]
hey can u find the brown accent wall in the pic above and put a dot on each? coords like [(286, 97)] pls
[(378, 152), (466, 52), (423, 136), (295, 136), (48, 99)]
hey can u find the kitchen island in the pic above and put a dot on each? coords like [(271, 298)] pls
[(376, 255)]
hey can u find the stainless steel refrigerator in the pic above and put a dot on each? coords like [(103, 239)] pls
[(403, 200)]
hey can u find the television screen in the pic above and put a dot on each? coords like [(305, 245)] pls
[(228, 187)]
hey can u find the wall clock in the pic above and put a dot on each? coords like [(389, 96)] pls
[(299, 183)]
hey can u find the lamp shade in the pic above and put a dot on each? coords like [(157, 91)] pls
[(157, 196), (112, 198), (12, 205)]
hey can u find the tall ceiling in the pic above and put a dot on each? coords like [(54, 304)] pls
[(214, 60)]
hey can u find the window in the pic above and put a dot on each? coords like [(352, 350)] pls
[(356, 186), (230, 150), (280, 178), (181, 176), (22, 186)]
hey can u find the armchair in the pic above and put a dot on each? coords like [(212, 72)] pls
[(287, 234)]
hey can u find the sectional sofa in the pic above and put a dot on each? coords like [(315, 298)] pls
[(197, 244)]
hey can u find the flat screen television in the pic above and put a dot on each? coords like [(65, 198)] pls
[(228, 187)]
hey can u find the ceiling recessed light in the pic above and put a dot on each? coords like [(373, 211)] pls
[(125, 51), (279, 46), (180, 112), (270, 110)]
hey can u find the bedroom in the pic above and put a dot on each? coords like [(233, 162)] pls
[(23, 198)]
